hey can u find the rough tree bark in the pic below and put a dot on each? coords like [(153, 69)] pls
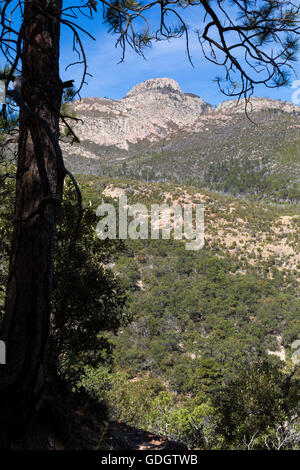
[(39, 183)]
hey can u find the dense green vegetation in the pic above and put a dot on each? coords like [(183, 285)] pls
[(258, 160), (197, 346), (81, 315), (203, 325), (193, 362)]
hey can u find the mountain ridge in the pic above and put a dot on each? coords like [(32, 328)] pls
[(153, 110), (159, 133)]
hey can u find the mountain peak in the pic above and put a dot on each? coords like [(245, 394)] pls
[(157, 112), (156, 84)]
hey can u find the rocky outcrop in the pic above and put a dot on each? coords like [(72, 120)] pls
[(151, 110), (257, 105), (164, 85), (154, 111)]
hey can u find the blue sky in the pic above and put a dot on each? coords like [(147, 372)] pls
[(164, 59)]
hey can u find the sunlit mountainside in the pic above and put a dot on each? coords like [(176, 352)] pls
[(199, 318), (159, 133)]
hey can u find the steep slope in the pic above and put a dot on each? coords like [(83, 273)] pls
[(150, 111), (159, 133), (199, 318), (261, 235)]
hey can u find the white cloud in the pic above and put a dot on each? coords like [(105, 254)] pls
[(164, 59)]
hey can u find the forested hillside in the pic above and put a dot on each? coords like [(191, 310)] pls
[(194, 346), (206, 325), (112, 338), (205, 356)]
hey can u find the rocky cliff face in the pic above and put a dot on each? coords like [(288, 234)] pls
[(157, 113), (151, 110), (257, 105)]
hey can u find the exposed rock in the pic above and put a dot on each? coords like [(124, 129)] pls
[(167, 85), (149, 111), (257, 105), (154, 111)]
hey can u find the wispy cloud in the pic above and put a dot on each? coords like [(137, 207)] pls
[(164, 59)]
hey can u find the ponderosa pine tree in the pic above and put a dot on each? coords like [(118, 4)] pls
[(254, 40)]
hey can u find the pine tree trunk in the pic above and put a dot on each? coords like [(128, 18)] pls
[(39, 178)]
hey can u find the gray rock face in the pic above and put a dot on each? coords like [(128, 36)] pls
[(149, 111), (152, 111), (164, 85), (257, 105)]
